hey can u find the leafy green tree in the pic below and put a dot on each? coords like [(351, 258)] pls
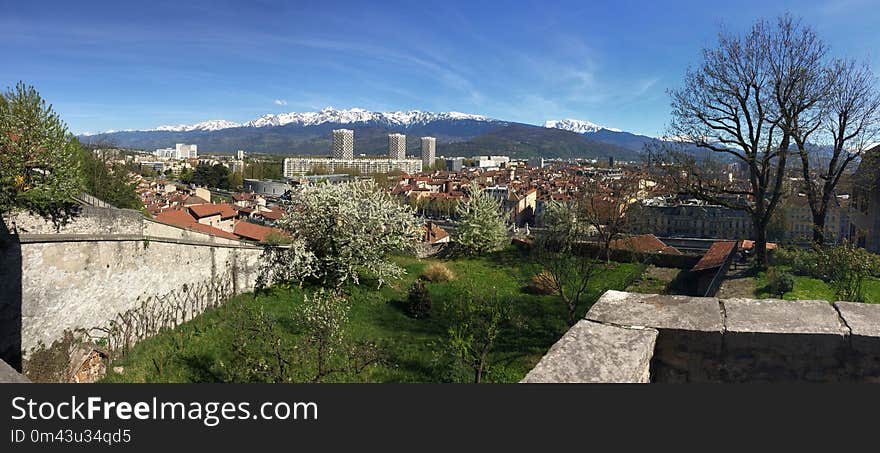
[(476, 321), (569, 265), (481, 227), (39, 168), (847, 267), (109, 182), (262, 353)]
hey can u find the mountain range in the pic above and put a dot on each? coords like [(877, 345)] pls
[(458, 134)]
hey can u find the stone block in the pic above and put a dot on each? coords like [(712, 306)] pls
[(593, 352), (690, 331), (8, 375), (774, 340)]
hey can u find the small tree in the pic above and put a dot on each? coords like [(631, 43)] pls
[(847, 267), (481, 227), (263, 354), (476, 323), (779, 283), (39, 165), (569, 263), (418, 300)]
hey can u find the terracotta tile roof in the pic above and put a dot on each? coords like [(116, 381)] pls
[(433, 233), (207, 210), (749, 244), (253, 231), (211, 230), (715, 256), (645, 243), (194, 200), (176, 217), (274, 214)]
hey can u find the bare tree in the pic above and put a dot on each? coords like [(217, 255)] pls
[(841, 129), (743, 102), (607, 206), (569, 263)]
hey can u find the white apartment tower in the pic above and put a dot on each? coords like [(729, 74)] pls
[(343, 144), (184, 151), (397, 146), (429, 151)]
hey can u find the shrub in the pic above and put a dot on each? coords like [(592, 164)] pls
[(419, 300), (847, 267), (542, 283), (779, 282), (438, 273)]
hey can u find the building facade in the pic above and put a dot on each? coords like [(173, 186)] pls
[(693, 219), (865, 212), (296, 166), (343, 144), (429, 151), (397, 146)]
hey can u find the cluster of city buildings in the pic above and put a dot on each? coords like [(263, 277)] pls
[(342, 157), (247, 217)]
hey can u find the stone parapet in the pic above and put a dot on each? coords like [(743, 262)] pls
[(712, 340)]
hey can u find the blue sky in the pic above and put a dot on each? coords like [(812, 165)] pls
[(121, 65)]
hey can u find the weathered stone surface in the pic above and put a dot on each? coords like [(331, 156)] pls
[(864, 323), (862, 319), (593, 352), (782, 316), (783, 341), (8, 375), (658, 311), (690, 331), (127, 289)]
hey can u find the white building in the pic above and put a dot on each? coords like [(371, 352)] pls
[(343, 144), (429, 151), (397, 146), (492, 161), (180, 151), (295, 166), (239, 154)]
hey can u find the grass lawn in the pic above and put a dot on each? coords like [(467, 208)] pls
[(815, 289), (194, 351)]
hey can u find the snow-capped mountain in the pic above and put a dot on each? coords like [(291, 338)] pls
[(328, 115), (210, 125), (578, 126)]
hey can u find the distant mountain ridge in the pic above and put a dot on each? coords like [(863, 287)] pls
[(457, 134)]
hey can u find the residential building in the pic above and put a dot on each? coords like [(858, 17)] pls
[(865, 212), (397, 146), (429, 151), (294, 166), (343, 144), (799, 219), (677, 217)]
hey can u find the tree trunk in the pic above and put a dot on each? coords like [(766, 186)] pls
[(819, 230), (761, 261)]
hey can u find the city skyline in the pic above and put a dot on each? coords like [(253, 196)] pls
[(110, 67)]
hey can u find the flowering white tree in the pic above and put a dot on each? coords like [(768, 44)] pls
[(341, 231), (481, 227)]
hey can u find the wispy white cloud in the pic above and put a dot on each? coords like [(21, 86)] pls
[(280, 102)]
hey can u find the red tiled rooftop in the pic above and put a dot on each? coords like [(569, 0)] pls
[(208, 210), (211, 230), (645, 243), (253, 231), (176, 217), (715, 256)]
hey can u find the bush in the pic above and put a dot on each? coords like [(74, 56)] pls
[(779, 282), (438, 273), (542, 283), (419, 300)]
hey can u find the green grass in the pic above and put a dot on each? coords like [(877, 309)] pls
[(814, 289), (194, 351)]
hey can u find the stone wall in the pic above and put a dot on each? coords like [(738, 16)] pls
[(695, 339), (110, 274)]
